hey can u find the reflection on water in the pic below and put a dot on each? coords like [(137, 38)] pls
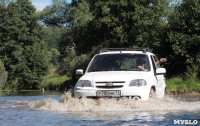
[(65, 110)]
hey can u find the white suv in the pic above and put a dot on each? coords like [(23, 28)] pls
[(115, 72)]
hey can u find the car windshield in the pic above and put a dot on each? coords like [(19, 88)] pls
[(119, 62)]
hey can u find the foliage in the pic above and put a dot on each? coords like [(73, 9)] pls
[(4, 2), (71, 62), (3, 75), (37, 65), (21, 48), (184, 36), (53, 80), (121, 23), (54, 54), (177, 84), (81, 14), (53, 36), (191, 73), (55, 14)]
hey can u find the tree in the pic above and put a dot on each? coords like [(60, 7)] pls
[(55, 14), (123, 23), (4, 2), (53, 36), (20, 38), (184, 36), (3, 75), (37, 64)]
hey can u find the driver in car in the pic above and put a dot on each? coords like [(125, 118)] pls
[(140, 64)]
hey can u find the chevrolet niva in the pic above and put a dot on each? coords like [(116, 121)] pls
[(122, 72)]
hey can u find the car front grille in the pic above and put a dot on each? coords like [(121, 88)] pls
[(110, 85)]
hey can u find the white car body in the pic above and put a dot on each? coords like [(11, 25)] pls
[(122, 83)]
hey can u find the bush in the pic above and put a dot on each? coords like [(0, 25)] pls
[(53, 80), (191, 73), (3, 75), (177, 84)]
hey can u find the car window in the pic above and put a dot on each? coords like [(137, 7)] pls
[(155, 65), (156, 60), (118, 62)]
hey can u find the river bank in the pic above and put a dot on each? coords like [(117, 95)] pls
[(187, 93), (29, 92), (179, 86)]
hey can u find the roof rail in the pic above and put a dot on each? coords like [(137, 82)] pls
[(144, 49)]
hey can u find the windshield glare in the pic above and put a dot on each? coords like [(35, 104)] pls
[(119, 62)]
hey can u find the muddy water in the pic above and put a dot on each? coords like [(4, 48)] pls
[(65, 110)]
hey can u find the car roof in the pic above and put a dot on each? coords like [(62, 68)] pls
[(125, 50)]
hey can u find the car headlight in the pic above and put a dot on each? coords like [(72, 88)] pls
[(138, 82), (84, 83)]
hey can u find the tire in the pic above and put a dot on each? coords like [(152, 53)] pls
[(152, 93)]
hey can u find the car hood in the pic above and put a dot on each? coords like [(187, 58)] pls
[(115, 76)]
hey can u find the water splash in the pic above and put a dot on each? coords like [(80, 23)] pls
[(70, 104), (66, 110)]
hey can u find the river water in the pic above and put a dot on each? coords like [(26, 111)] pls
[(63, 110)]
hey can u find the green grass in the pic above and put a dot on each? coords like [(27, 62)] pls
[(52, 80), (177, 84)]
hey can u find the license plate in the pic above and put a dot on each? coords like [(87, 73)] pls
[(114, 93)]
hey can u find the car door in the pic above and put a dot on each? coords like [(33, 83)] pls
[(160, 85)]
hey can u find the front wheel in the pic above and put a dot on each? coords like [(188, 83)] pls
[(152, 93)]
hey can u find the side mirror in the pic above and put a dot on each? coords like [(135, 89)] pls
[(160, 71), (79, 72)]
